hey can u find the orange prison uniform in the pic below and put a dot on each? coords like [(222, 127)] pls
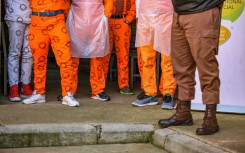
[(167, 82), (43, 31), (139, 60), (98, 66), (120, 34), (98, 73)]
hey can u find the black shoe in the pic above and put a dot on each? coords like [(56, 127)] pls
[(181, 117), (141, 95), (101, 96), (60, 98), (126, 91), (167, 102)]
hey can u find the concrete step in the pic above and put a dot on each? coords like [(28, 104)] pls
[(109, 148), (75, 134)]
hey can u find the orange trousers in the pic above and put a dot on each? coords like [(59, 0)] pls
[(139, 61), (75, 65), (120, 34), (43, 32), (98, 73), (147, 67)]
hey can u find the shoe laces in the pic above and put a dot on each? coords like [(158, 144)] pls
[(34, 96), (153, 99), (126, 89), (167, 98), (35, 93), (103, 95), (70, 98)]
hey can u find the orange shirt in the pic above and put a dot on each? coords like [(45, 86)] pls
[(130, 10), (49, 5), (108, 4)]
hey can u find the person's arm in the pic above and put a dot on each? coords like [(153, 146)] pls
[(108, 8), (131, 13)]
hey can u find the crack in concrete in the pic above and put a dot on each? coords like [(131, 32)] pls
[(164, 144), (98, 133)]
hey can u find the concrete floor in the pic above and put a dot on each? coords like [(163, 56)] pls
[(118, 110)]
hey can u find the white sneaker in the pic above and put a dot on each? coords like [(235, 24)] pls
[(15, 99), (69, 100), (35, 98)]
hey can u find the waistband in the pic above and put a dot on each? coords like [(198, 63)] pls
[(48, 13), (118, 16)]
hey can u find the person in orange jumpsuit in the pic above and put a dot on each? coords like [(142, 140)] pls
[(120, 34), (152, 36), (48, 27), (90, 39)]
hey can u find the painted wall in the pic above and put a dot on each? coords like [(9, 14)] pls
[(231, 56)]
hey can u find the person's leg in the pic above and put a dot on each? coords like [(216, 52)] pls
[(139, 61), (75, 65), (167, 84), (16, 37), (204, 47), (184, 73), (60, 42), (122, 43), (98, 75), (26, 66), (60, 46), (148, 56), (105, 64), (202, 38), (39, 43)]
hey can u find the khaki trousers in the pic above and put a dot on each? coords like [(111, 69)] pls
[(194, 44)]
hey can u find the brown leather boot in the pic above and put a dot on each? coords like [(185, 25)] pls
[(210, 125), (181, 117)]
